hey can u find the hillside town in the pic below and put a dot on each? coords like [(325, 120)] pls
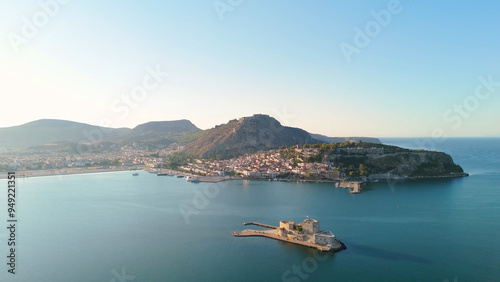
[(264, 164), (316, 162), (274, 164)]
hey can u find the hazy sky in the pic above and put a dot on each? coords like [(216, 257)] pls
[(340, 68)]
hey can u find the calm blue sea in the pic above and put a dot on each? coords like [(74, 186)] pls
[(117, 227)]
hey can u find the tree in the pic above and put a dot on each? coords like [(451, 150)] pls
[(364, 170)]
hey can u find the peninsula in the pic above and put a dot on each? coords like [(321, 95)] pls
[(254, 147), (307, 233)]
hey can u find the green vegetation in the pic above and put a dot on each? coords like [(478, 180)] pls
[(178, 159), (115, 162), (332, 148), (364, 170), (315, 158), (288, 153)]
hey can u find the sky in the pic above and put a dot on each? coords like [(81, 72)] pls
[(339, 68)]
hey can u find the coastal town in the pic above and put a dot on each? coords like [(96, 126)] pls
[(269, 164), (343, 163), (114, 156), (276, 164)]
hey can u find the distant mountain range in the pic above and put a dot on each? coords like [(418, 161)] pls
[(52, 131), (343, 139), (237, 137)]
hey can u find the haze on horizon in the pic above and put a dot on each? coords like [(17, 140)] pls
[(362, 68)]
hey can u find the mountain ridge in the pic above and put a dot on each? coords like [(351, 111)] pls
[(44, 131)]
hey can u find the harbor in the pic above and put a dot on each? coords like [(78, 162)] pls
[(354, 186), (190, 177)]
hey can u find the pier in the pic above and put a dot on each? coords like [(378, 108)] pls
[(269, 234), (261, 224), (354, 185)]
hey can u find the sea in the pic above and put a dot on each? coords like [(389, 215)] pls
[(115, 227)]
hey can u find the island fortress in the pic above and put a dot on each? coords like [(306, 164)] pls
[(307, 233)]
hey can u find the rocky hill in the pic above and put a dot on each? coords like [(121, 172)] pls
[(378, 161), (415, 164), (247, 135)]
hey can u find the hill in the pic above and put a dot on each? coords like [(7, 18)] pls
[(247, 135), (48, 131), (160, 132), (45, 131)]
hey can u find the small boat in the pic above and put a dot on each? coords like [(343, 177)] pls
[(192, 179), (180, 176), (135, 174), (164, 174)]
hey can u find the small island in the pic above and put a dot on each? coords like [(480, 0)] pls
[(307, 233)]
